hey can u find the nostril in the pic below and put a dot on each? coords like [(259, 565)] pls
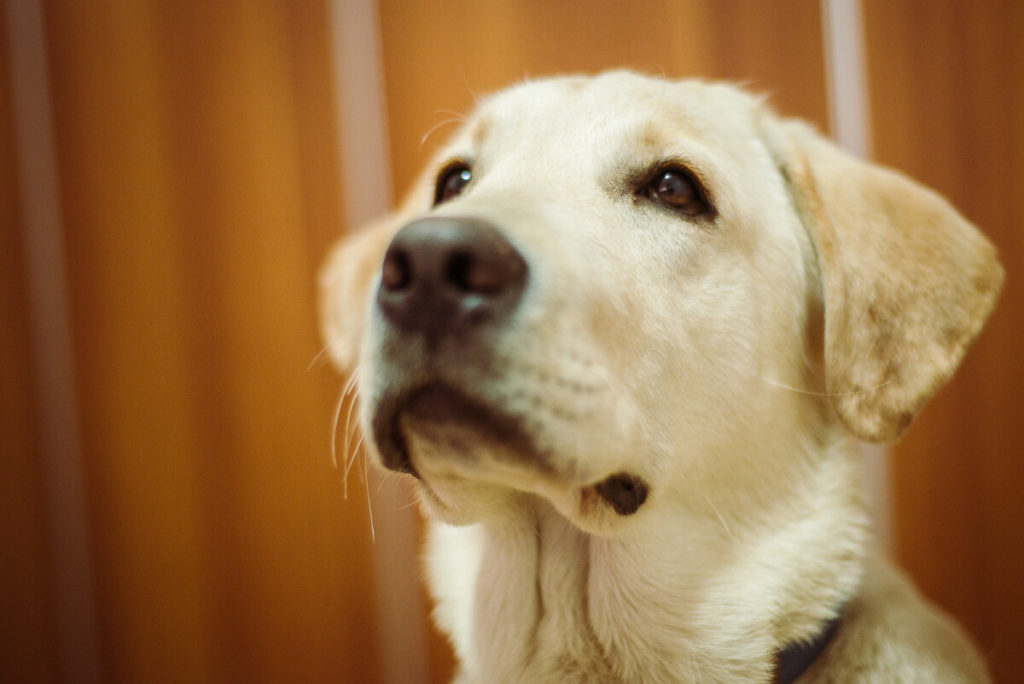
[(484, 266), (396, 274), (457, 271), (469, 274)]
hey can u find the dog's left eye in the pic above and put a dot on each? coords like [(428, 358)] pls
[(451, 181), (678, 189)]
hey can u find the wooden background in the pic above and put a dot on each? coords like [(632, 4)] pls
[(199, 186)]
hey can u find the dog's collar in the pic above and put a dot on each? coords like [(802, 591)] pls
[(793, 661)]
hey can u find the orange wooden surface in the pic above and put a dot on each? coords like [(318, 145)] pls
[(947, 87), (27, 628), (197, 157)]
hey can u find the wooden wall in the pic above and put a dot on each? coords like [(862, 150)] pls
[(197, 150), (28, 625), (197, 162)]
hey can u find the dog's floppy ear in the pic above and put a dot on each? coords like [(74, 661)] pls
[(908, 282), (345, 281)]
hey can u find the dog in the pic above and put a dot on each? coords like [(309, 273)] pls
[(621, 332)]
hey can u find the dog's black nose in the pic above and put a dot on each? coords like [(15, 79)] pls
[(448, 275)]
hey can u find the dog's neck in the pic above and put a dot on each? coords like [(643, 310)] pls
[(712, 599)]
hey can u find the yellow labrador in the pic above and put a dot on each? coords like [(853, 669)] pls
[(620, 333)]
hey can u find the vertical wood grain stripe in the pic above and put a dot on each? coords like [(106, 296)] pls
[(362, 123), (53, 371), (846, 78), (846, 82), (366, 182)]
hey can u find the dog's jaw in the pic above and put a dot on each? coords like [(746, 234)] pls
[(461, 436)]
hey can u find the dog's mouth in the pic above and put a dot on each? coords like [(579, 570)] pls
[(453, 421), (460, 426)]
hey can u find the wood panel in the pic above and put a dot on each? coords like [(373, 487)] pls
[(28, 632), (200, 188), (440, 55), (947, 86)]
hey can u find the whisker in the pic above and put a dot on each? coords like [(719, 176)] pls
[(351, 382), (350, 454), (813, 393), (369, 502), (317, 359), (334, 431), (714, 508), (352, 459), (469, 88), (828, 395), (350, 385), (405, 507), (459, 116), (436, 126)]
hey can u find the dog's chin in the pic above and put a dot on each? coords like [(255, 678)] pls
[(439, 423), (604, 509), (472, 458)]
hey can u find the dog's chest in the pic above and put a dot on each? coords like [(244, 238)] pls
[(537, 600), (532, 612)]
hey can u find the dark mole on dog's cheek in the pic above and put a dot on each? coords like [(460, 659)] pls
[(624, 492)]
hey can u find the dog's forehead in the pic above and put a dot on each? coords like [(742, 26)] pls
[(609, 112)]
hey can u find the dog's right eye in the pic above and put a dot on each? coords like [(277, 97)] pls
[(451, 181), (678, 188)]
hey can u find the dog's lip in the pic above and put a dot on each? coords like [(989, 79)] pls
[(388, 435), (458, 422), (440, 404)]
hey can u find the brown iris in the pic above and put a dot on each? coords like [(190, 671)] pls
[(676, 188), (452, 181)]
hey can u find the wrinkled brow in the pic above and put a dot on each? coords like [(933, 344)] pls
[(645, 144), (480, 131)]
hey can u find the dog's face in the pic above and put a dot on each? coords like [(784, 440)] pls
[(608, 291)]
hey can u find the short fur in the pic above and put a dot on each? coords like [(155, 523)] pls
[(724, 360)]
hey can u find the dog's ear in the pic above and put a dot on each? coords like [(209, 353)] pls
[(345, 281), (907, 282)]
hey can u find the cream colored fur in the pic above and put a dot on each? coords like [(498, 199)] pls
[(725, 361)]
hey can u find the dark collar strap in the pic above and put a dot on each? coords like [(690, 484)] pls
[(794, 660)]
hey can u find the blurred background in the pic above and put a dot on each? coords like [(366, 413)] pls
[(174, 173)]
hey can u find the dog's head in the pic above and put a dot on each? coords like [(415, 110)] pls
[(608, 288)]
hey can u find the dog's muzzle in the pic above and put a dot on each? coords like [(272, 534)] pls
[(445, 284)]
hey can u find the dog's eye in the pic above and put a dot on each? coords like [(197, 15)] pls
[(451, 181), (677, 189)]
